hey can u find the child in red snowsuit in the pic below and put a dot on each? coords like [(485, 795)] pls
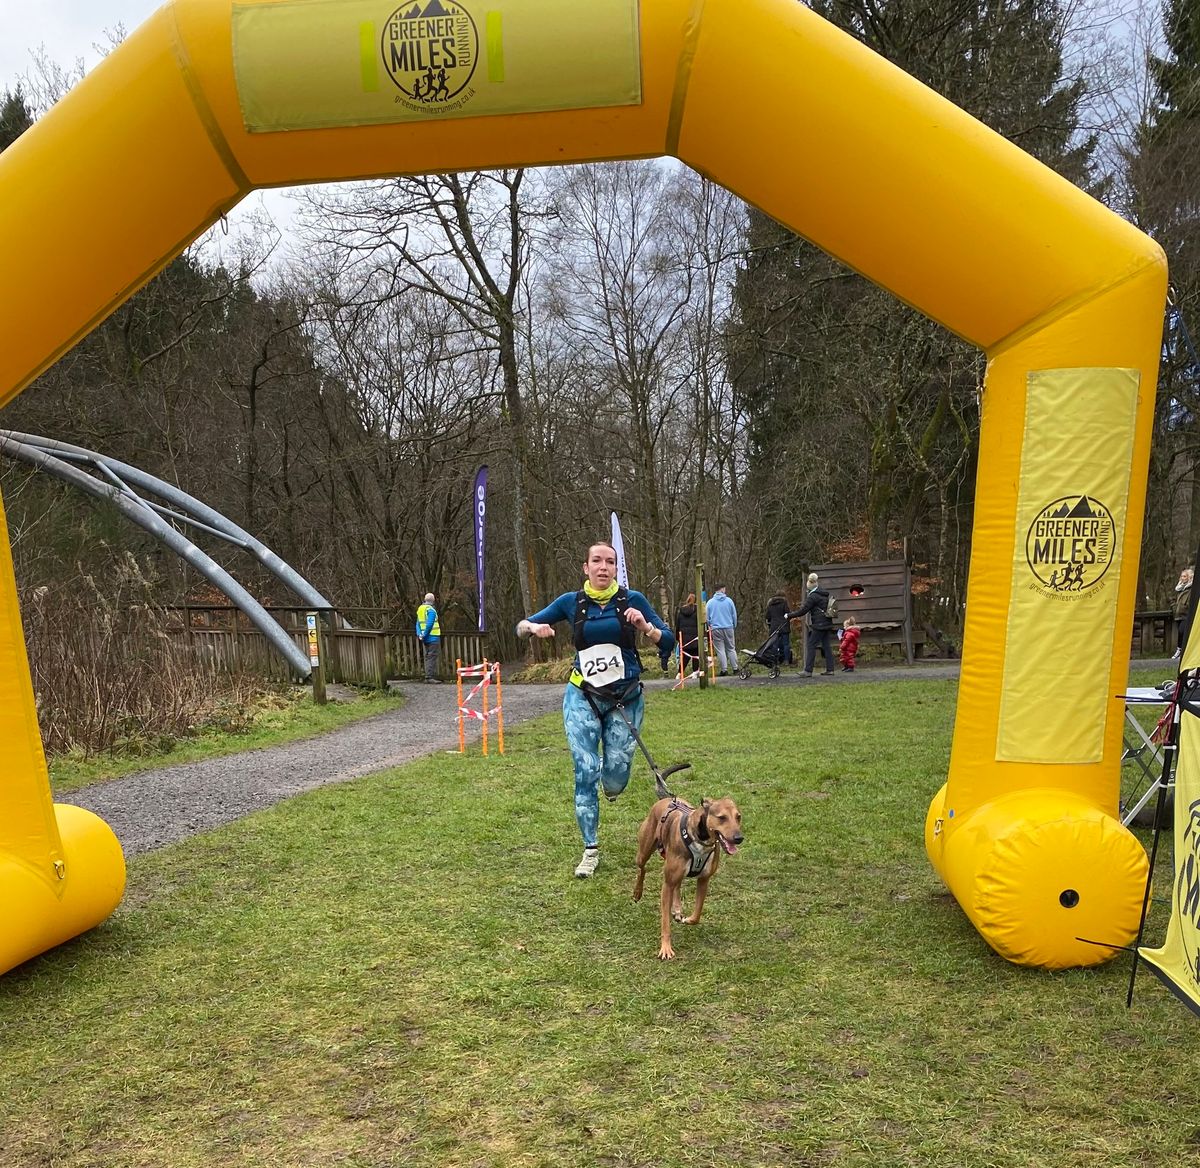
[(848, 648)]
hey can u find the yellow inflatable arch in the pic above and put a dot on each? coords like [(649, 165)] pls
[(211, 99)]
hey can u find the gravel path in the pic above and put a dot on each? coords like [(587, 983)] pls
[(154, 808), (158, 807)]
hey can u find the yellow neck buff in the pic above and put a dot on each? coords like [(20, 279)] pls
[(598, 595)]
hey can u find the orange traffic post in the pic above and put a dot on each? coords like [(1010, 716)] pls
[(484, 686), (462, 738), (499, 709)]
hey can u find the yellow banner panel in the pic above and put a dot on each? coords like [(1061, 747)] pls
[(1178, 961), (1072, 501), (1191, 647), (315, 64)]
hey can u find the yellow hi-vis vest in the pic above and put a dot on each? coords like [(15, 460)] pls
[(422, 616)]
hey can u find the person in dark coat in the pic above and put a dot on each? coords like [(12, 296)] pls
[(820, 627), (687, 636), (777, 617)]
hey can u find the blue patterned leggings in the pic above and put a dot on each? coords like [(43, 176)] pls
[(585, 737)]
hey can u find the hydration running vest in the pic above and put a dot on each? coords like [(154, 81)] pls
[(627, 688), (628, 632)]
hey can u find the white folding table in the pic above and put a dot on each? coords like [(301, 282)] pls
[(1142, 752)]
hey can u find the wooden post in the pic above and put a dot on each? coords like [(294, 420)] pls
[(380, 643), (312, 620), (701, 627)]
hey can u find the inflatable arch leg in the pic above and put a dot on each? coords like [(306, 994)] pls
[(61, 868), (209, 100)]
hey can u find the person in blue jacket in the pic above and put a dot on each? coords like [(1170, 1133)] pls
[(606, 621), (721, 614)]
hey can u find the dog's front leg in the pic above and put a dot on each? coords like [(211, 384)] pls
[(677, 904), (670, 893), (701, 892), (644, 852)]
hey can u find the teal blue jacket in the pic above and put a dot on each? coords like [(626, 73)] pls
[(601, 627)]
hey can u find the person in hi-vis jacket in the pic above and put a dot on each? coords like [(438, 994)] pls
[(429, 633)]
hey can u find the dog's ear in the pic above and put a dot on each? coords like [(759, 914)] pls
[(706, 803)]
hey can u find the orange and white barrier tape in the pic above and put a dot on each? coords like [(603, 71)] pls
[(488, 673)]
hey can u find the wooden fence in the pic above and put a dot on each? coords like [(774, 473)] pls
[(371, 657), (354, 656)]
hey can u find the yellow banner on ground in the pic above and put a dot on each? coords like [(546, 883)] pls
[(1076, 454), (314, 64), (1191, 652), (1178, 961)]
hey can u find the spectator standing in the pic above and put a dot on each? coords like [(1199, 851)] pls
[(820, 627), (429, 633), (848, 648), (687, 636), (777, 617), (722, 619), (1183, 600)]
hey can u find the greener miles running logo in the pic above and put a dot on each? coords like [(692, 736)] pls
[(1071, 543), (430, 51)]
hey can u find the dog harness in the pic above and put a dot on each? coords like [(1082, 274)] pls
[(698, 853), (632, 690)]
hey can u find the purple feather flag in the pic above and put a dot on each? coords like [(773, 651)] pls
[(479, 507)]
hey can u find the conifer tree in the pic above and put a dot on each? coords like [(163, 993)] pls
[(863, 413), (1164, 178), (15, 117)]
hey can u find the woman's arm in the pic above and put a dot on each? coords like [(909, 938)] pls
[(642, 617), (541, 624), (803, 610)]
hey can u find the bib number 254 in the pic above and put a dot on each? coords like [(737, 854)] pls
[(601, 664)]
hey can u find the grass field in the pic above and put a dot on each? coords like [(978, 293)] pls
[(401, 971)]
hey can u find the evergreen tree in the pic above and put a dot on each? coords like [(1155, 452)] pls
[(863, 413), (1164, 177), (15, 117)]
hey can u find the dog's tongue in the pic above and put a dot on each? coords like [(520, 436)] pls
[(730, 849)]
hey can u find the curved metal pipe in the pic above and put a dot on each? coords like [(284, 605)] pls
[(223, 526), (141, 514)]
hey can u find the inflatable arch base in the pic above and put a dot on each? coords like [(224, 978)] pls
[(43, 909), (1046, 876)]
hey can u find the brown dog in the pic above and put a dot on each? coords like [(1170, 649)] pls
[(691, 840)]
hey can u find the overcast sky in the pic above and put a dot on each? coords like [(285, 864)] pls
[(67, 29)]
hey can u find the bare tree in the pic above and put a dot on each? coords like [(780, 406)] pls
[(465, 239)]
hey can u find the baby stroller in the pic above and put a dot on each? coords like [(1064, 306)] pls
[(766, 654)]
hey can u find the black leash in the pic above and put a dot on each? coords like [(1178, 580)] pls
[(618, 703)]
